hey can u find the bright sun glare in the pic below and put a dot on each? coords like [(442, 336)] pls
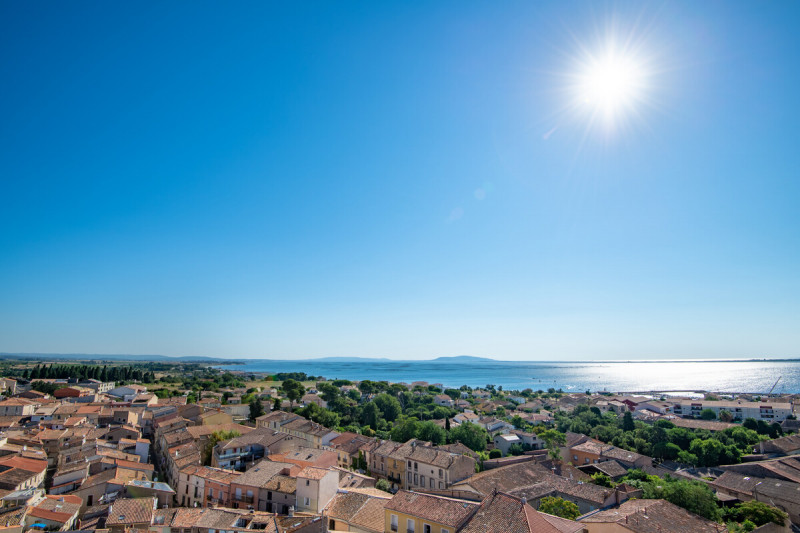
[(611, 84)]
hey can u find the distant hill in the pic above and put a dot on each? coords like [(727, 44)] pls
[(344, 359), (464, 359)]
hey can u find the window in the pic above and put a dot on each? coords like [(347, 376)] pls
[(574, 457), (443, 530), (394, 522), (410, 525), (426, 528), (416, 479), (210, 493), (307, 501), (409, 477), (441, 473), (441, 485), (308, 482), (433, 484), (422, 480), (416, 466)]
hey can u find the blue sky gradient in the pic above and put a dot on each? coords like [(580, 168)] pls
[(404, 180)]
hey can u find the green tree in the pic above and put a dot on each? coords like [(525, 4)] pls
[(276, 403), (45, 387), (371, 415), (495, 454), (516, 449), (559, 507), (553, 440), (328, 392), (627, 422), (725, 416), (213, 440), (256, 409), (294, 390), (405, 428), (470, 435), (383, 485), (428, 431), (602, 479), (708, 414), (757, 512), (389, 406), (694, 496)]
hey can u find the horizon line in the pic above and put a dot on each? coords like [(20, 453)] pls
[(393, 359)]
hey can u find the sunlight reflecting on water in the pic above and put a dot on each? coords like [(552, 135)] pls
[(731, 376)]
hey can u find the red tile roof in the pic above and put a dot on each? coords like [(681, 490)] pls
[(446, 511)]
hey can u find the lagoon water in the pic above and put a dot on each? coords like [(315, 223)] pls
[(723, 376)]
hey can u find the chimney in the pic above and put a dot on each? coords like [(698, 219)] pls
[(291, 510), (524, 501)]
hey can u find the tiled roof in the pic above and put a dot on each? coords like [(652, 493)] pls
[(261, 473), (621, 455), (446, 511), (126, 511), (312, 472), (733, 482), (185, 517), (779, 489), (349, 442), (55, 516), (32, 465), (282, 483), (281, 417), (611, 468), (785, 445), (503, 513), (307, 456), (436, 457), (506, 478), (13, 518), (307, 427), (261, 436), (359, 509), (656, 516)]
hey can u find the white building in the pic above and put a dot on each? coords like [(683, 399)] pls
[(765, 410)]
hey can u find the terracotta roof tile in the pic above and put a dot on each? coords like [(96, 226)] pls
[(656, 516), (503, 513), (127, 511), (446, 511)]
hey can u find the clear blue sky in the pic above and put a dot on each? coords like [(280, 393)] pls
[(397, 179)]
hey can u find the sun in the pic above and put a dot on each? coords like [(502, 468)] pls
[(611, 84)]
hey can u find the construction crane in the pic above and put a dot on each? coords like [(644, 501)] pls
[(775, 385)]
